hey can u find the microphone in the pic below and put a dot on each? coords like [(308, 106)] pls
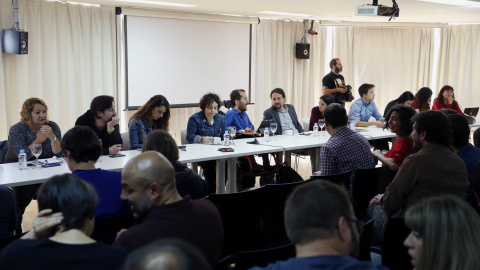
[(255, 141)]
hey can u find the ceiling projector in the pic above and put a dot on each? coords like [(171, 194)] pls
[(377, 10)]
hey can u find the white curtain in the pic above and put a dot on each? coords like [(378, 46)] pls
[(71, 59)]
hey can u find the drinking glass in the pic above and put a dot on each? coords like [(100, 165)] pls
[(273, 128), (37, 151), (173, 134), (232, 131), (321, 124)]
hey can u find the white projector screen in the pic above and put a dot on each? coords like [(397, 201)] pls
[(184, 59)]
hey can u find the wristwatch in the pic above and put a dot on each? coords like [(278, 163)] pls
[(54, 138)]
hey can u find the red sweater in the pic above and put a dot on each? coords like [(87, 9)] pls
[(401, 149), (438, 105)]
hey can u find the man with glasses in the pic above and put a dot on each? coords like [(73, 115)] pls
[(320, 222)]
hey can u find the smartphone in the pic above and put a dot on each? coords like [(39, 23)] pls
[(226, 149), (117, 155)]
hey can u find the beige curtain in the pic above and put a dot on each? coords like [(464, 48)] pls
[(71, 59)]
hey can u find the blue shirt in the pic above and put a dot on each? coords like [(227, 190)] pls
[(138, 129), (362, 111), (238, 119)]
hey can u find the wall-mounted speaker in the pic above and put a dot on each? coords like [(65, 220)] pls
[(15, 42), (302, 51)]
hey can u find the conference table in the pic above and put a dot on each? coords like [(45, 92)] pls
[(11, 176)]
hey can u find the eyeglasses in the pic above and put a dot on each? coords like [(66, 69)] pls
[(358, 223)]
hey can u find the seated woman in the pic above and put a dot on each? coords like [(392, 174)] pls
[(66, 207), (155, 114), (445, 234), (406, 99), (202, 127), (33, 128), (446, 100), (317, 111), (398, 121), (186, 180), (422, 100)]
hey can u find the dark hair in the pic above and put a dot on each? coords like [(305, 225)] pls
[(182, 254), (208, 99), (476, 138), (313, 210), (435, 124), (404, 97), (363, 89), (100, 104), (162, 142), (333, 62), (460, 130), (421, 98), (448, 112), (278, 91), (445, 88), (146, 111), (235, 95), (406, 113), (70, 195), (328, 99), (82, 144), (336, 115)]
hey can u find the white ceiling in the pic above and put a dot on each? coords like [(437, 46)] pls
[(331, 10)]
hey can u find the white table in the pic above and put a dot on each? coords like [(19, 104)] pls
[(11, 176)]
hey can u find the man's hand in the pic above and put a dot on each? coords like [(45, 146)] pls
[(342, 90), (114, 149), (113, 123), (376, 199), (379, 124), (248, 129)]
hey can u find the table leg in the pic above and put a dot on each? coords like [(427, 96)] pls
[(195, 167), (232, 175), (317, 154), (220, 176), (288, 158)]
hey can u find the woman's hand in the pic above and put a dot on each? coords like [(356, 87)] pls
[(41, 137), (47, 131), (207, 139), (448, 100), (43, 224)]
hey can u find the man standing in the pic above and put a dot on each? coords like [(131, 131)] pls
[(237, 116), (320, 221), (148, 182), (103, 119), (334, 83), (433, 170), (346, 150)]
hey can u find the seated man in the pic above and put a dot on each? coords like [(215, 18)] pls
[(82, 150), (364, 108), (103, 119), (286, 118), (319, 220), (148, 182), (346, 150), (433, 170)]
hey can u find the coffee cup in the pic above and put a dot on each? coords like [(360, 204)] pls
[(216, 140), (289, 132)]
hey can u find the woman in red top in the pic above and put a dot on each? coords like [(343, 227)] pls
[(422, 100), (317, 111), (446, 100), (398, 120)]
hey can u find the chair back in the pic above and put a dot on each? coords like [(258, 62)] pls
[(342, 179), (367, 184), (183, 136), (126, 141), (3, 150), (394, 253)]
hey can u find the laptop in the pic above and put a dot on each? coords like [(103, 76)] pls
[(264, 124), (471, 114)]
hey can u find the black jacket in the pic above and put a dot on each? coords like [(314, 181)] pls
[(87, 119)]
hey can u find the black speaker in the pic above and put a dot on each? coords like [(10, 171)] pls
[(15, 42), (302, 51)]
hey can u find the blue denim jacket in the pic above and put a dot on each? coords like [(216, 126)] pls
[(137, 131), (198, 126)]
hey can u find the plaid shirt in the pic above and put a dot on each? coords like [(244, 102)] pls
[(346, 151)]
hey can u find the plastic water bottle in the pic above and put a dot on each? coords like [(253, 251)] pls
[(22, 160), (315, 130), (226, 139), (266, 135)]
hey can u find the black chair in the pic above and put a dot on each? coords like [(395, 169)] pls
[(394, 253), (261, 258), (366, 240), (342, 179), (106, 230), (273, 204), (240, 214), (367, 184)]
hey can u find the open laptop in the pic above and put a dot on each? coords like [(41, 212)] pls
[(471, 114), (264, 124)]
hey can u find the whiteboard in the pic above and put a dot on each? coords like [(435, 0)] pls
[(184, 59)]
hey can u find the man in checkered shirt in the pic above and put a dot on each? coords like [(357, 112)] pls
[(346, 150)]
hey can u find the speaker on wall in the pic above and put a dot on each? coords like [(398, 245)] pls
[(302, 51), (15, 42)]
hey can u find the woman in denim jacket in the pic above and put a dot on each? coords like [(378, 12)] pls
[(155, 114), (202, 127)]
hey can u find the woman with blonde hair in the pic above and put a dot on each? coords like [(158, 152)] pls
[(445, 234)]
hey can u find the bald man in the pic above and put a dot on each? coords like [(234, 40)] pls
[(148, 184)]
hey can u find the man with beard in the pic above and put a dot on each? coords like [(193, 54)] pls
[(237, 116), (320, 222), (148, 184), (434, 170), (334, 83), (103, 119)]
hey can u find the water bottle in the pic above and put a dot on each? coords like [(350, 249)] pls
[(315, 130), (22, 160), (266, 134), (226, 139)]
